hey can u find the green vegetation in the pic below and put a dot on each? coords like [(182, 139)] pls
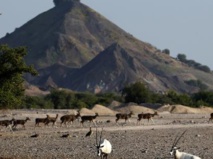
[(192, 63), (166, 51), (203, 98), (136, 92), (197, 83), (62, 99), (12, 68), (139, 93)]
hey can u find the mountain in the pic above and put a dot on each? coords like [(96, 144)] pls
[(117, 66), (74, 47), (70, 34), (111, 69)]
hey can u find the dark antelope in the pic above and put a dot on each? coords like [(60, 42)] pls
[(51, 120), (40, 120), (211, 117), (20, 122), (69, 118), (7, 123), (89, 118), (147, 116), (123, 116)]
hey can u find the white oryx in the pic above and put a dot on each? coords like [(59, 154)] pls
[(104, 147), (181, 155)]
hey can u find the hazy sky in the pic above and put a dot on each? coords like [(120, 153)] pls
[(182, 26)]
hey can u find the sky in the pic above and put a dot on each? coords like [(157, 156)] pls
[(182, 26)]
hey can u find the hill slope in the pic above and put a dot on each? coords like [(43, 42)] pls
[(74, 47), (70, 34), (118, 65)]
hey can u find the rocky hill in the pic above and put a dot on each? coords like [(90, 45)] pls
[(72, 46)]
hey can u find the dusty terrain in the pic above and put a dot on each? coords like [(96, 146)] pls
[(131, 140)]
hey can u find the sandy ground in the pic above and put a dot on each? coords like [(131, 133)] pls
[(129, 141)]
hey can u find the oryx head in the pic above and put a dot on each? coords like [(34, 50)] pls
[(174, 148)]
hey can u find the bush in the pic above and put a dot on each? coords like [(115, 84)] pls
[(137, 93), (197, 83), (37, 102), (166, 51)]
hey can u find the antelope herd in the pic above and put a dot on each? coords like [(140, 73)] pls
[(103, 146), (70, 118)]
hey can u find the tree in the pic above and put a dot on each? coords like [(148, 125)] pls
[(203, 97), (58, 98), (38, 102), (197, 83), (204, 68), (12, 68), (181, 57), (137, 92), (166, 51)]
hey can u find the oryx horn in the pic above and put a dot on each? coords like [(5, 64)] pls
[(176, 140)]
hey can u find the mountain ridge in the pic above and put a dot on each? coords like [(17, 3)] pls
[(73, 46)]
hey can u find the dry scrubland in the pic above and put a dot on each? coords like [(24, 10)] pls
[(129, 141)]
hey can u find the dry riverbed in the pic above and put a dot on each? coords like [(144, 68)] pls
[(129, 141)]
